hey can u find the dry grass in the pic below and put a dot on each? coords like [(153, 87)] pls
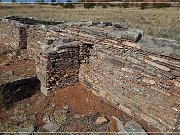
[(155, 22)]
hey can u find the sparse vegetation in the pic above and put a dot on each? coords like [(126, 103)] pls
[(158, 22), (144, 5), (104, 5), (40, 1), (53, 2), (125, 5), (68, 4), (161, 5), (89, 4)]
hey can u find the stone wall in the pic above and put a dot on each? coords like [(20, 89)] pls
[(142, 84), (34, 36), (136, 73), (13, 34), (57, 63)]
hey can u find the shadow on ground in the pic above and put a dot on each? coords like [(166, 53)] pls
[(18, 90)]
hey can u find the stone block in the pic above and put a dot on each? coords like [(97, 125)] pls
[(149, 81), (134, 128), (157, 65), (133, 60), (175, 73)]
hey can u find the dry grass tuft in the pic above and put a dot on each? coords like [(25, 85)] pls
[(155, 22)]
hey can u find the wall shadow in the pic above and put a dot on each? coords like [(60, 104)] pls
[(18, 90)]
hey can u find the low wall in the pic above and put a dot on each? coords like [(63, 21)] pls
[(13, 34), (136, 73)]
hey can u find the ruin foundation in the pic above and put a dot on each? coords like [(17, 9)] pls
[(138, 74)]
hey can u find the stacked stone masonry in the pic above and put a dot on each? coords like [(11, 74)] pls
[(58, 66), (138, 74)]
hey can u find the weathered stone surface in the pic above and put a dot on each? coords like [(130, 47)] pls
[(175, 73), (51, 127), (167, 61), (101, 120), (133, 60), (20, 118), (160, 46), (168, 75), (46, 119), (130, 44), (120, 126), (132, 34), (25, 131), (60, 66), (150, 70), (150, 81), (134, 128), (157, 65)]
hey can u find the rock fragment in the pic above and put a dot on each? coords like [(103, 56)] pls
[(46, 119), (7, 74), (51, 127), (25, 131), (101, 120), (120, 126), (134, 128)]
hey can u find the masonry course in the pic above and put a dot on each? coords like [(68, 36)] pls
[(139, 74)]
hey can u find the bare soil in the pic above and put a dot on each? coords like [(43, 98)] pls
[(83, 109)]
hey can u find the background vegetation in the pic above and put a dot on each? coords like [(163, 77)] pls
[(159, 22)]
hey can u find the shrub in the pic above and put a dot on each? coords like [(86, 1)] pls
[(144, 5), (40, 1), (125, 5), (53, 2), (161, 5), (112, 5), (104, 5), (68, 4), (89, 5)]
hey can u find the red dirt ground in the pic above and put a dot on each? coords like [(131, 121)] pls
[(80, 100)]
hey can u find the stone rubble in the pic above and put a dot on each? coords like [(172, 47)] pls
[(46, 119), (51, 127), (133, 128), (101, 120), (120, 126), (25, 131)]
